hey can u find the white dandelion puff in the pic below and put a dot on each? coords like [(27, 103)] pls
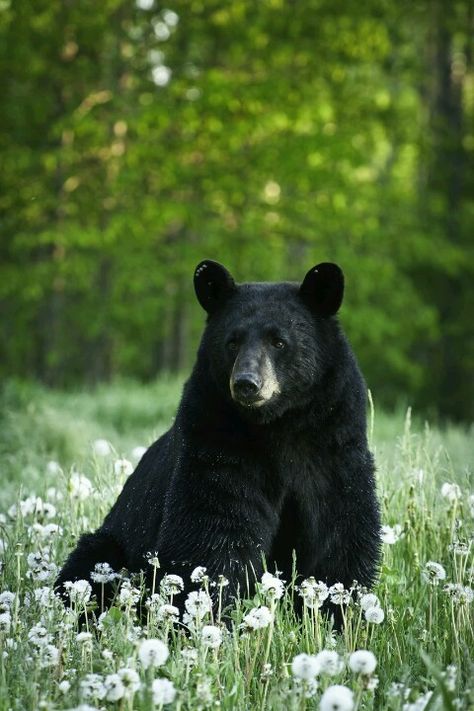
[(305, 666), (211, 636), (433, 572), (163, 692), (329, 662), (199, 574), (337, 698), (258, 618), (374, 615), (272, 586), (101, 448), (123, 468), (362, 662), (451, 492), (152, 653), (369, 600), (198, 604)]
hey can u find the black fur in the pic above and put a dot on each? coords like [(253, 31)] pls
[(231, 481)]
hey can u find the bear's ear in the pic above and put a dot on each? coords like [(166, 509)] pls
[(213, 284), (323, 288)]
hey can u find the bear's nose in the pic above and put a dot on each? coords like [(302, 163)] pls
[(246, 385)]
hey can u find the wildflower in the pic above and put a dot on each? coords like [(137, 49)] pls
[(79, 591), (258, 618), (49, 656), (103, 573), (172, 584), (470, 503), (222, 581), (391, 534), (83, 637), (211, 636), (305, 666), (114, 688), (337, 698), (53, 468), (369, 600), (40, 568), (152, 653), (39, 636), (123, 468), (362, 662), (79, 487), (163, 692), (375, 615), (152, 559), (46, 532), (451, 492), (168, 612), (338, 594), (44, 596), (198, 604), (128, 595), (313, 593), (92, 687), (7, 599), (138, 452), (101, 447), (272, 586), (130, 681), (459, 593), (329, 662), (372, 683), (199, 574), (433, 572), (64, 686), (460, 548), (5, 622)]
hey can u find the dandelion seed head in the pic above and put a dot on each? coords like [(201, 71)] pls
[(198, 604), (163, 692), (101, 448), (272, 586), (374, 615), (337, 698), (152, 653), (433, 572), (258, 618), (199, 574), (329, 662), (211, 636), (451, 492), (362, 662), (305, 666), (172, 584)]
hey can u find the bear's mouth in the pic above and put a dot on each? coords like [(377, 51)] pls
[(250, 402)]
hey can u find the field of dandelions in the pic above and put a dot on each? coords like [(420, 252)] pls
[(407, 645)]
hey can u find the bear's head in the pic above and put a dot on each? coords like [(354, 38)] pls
[(268, 345)]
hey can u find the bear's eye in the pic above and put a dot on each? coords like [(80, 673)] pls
[(278, 343), (232, 346)]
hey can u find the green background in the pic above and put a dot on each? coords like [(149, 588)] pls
[(268, 135)]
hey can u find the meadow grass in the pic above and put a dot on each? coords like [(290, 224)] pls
[(57, 481)]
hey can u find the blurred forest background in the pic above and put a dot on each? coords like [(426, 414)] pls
[(138, 138)]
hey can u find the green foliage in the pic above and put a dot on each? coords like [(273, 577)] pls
[(285, 134)]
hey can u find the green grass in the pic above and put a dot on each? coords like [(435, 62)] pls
[(424, 631)]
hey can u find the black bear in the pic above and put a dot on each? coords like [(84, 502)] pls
[(268, 453)]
